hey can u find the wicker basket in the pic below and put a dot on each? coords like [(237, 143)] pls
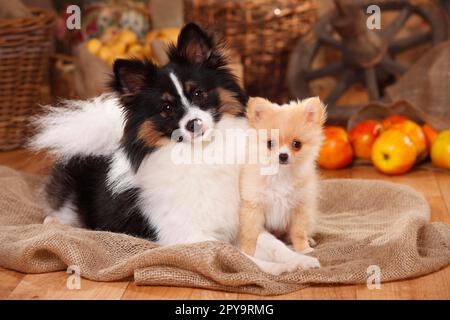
[(263, 32), (25, 46)]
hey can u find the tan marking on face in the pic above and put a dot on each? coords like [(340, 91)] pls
[(190, 85), (229, 103), (151, 136), (168, 97)]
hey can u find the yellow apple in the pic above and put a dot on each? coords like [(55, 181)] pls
[(128, 37), (393, 152), (136, 51), (118, 47), (440, 150), (415, 133), (94, 45), (105, 54)]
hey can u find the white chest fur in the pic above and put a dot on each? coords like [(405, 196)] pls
[(280, 196), (191, 202)]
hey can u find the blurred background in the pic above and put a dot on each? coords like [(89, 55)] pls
[(366, 64)]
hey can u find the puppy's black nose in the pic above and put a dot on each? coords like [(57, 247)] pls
[(194, 125), (283, 157)]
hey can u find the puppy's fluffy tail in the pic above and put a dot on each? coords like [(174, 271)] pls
[(90, 127)]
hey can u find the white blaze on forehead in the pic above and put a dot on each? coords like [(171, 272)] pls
[(192, 112), (179, 88)]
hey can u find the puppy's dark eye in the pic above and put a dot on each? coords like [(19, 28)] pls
[(296, 144), (270, 144)]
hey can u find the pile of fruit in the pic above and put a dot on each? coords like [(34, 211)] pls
[(126, 44), (393, 145)]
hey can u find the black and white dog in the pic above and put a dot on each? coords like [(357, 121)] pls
[(116, 170)]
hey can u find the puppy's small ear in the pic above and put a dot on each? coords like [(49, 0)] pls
[(256, 108), (130, 76), (315, 110), (194, 44)]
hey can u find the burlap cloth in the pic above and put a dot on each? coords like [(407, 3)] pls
[(364, 223)]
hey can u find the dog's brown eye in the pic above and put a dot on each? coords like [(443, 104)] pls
[(296, 144), (270, 144), (198, 93), (167, 109)]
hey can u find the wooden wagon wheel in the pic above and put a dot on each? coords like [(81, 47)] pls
[(366, 56)]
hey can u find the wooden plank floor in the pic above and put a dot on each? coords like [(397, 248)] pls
[(435, 185)]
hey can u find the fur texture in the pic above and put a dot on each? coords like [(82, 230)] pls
[(284, 202), (80, 128), (116, 168)]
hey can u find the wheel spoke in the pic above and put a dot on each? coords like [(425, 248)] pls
[(395, 26), (406, 43), (329, 41), (392, 66), (312, 53), (345, 82), (370, 78), (325, 71)]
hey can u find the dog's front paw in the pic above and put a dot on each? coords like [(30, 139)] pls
[(303, 262)]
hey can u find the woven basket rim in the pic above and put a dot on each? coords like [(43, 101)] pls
[(40, 15), (245, 3), (118, 5), (288, 9)]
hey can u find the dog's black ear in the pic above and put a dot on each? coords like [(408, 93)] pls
[(130, 76), (194, 44)]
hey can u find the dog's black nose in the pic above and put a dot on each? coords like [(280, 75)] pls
[(283, 157), (194, 125)]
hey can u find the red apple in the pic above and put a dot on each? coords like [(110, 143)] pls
[(336, 151), (393, 119), (430, 133), (363, 135)]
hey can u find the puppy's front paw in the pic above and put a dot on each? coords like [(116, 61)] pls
[(305, 262), (307, 250), (300, 245)]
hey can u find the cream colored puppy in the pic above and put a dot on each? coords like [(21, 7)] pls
[(279, 194)]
